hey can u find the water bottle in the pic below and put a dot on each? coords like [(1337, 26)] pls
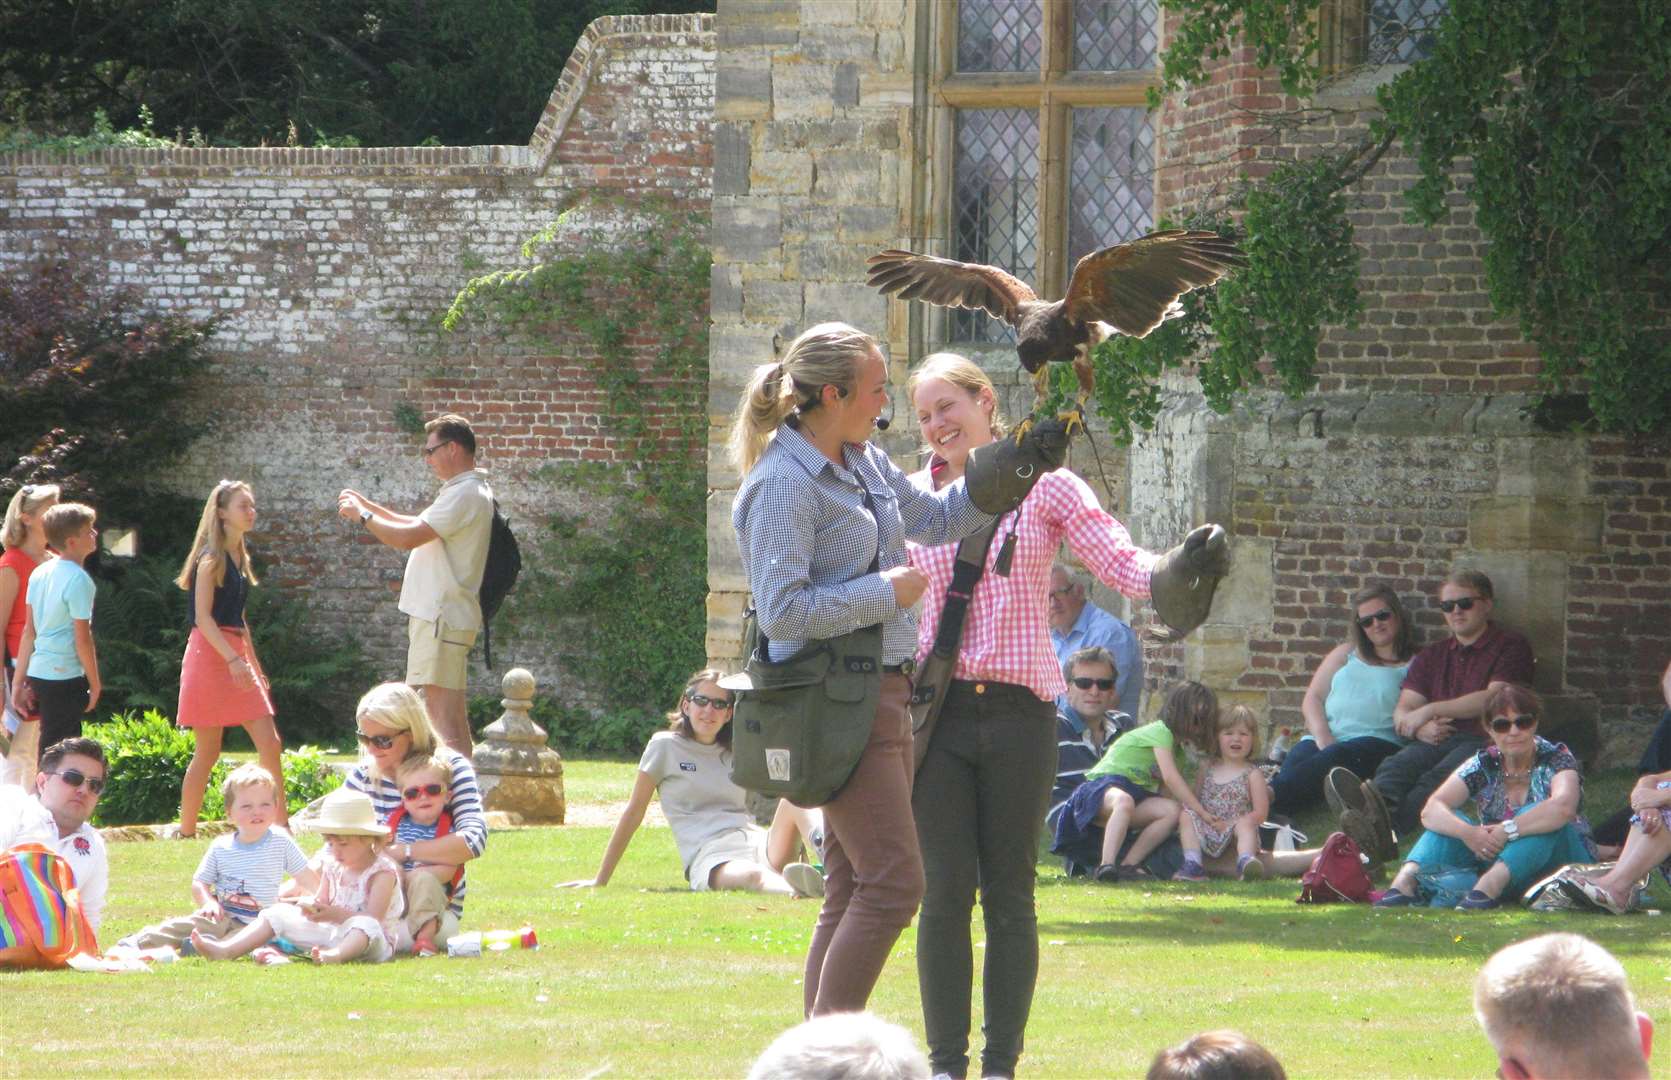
[(1279, 745), (501, 940)]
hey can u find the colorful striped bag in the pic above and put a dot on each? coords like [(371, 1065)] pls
[(41, 921)]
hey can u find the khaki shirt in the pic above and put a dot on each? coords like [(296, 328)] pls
[(444, 576)]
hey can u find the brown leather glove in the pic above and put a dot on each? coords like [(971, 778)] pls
[(1000, 474), (1182, 584)]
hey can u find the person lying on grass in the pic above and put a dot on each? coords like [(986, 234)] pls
[(241, 872), (689, 767), (356, 913)]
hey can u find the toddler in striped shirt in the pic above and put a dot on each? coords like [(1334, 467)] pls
[(241, 872)]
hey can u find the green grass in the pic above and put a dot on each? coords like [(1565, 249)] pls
[(645, 978)]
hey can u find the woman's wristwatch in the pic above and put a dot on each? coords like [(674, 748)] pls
[(1511, 830)]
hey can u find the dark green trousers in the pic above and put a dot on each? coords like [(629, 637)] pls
[(979, 803)]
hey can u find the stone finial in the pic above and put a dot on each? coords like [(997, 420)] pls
[(518, 773)]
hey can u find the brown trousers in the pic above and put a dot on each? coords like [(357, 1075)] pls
[(873, 866)]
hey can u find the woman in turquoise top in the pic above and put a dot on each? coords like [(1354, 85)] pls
[(1348, 707)]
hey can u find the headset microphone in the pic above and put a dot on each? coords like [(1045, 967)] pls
[(886, 420)]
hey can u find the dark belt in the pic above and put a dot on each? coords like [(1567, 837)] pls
[(908, 668)]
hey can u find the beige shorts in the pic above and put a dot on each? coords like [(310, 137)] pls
[(747, 844), (436, 654)]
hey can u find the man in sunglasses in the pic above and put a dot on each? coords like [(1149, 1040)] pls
[(1440, 702), (440, 591), (1087, 723), (67, 787), (1076, 624)]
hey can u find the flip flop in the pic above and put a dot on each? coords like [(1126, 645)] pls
[(1600, 897)]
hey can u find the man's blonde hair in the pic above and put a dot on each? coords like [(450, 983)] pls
[(1562, 1001), (248, 775)]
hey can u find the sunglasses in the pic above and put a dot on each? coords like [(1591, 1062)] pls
[(423, 789), (1380, 616), (1101, 684), (1466, 603), (1063, 591), (382, 742), (1501, 724), (713, 702), (75, 778)]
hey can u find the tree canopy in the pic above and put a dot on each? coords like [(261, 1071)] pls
[(309, 72), (1552, 118)]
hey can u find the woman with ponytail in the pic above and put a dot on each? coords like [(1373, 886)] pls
[(822, 517), (23, 539)]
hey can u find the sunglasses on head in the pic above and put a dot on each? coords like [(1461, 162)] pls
[(1379, 616), (713, 702), (1086, 683), (382, 742), (423, 789), (1501, 724), (75, 778), (1466, 603)]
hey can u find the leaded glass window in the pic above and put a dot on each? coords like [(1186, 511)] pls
[(1110, 179), (998, 35), (1402, 31), (1114, 35), (995, 203)]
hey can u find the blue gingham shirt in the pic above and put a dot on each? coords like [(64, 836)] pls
[(807, 541)]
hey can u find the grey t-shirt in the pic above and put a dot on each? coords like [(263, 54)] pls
[(697, 795)]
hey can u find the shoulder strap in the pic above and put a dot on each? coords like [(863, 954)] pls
[(966, 574)]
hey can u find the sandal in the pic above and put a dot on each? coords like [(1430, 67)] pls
[(1106, 874), (1132, 872), (1600, 897)]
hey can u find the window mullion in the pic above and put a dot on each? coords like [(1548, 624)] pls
[(1053, 196)]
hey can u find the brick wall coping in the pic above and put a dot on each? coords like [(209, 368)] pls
[(1334, 414), (589, 52)]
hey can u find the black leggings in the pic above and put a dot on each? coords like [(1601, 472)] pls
[(979, 803), (61, 704)]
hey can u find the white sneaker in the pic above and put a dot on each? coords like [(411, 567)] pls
[(804, 879)]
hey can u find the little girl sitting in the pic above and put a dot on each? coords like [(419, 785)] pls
[(1122, 791), (356, 912), (1234, 792)]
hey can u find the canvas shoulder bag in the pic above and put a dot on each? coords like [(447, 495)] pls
[(935, 674), (41, 921)]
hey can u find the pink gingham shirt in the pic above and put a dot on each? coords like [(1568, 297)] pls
[(1006, 634)]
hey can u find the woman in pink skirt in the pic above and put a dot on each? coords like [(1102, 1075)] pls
[(221, 681)]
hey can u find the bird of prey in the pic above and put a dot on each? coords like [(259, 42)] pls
[(1128, 289)]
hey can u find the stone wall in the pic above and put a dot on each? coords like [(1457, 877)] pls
[(330, 269), (1413, 455)]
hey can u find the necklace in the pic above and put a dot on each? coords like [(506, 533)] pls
[(1516, 774)]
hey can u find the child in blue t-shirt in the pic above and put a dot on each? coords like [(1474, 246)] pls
[(57, 667), (242, 872)]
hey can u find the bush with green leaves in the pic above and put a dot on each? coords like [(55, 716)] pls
[(146, 758), (576, 731)]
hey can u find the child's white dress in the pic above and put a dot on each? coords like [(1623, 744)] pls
[(342, 887)]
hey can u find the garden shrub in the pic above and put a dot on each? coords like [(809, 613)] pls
[(576, 731), (146, 757)]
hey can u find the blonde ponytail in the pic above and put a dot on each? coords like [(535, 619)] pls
[(32, 499), (824, 355)]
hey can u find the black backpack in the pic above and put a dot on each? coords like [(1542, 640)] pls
[(504, 563)]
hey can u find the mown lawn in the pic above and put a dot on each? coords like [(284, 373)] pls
[(646, 979)]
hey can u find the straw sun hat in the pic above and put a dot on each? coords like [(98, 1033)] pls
[(345, 812)]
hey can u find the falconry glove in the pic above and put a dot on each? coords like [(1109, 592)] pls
[(1181, 586), (1001, 473)]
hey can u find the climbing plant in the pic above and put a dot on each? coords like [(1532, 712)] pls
[(636, 578), (1559, 107)]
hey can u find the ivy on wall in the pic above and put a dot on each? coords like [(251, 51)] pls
[(637, 578), (1561, 107)]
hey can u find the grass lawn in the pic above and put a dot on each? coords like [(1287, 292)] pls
[(645, 978)]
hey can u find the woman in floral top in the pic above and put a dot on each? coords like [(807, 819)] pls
[(1527, 790)]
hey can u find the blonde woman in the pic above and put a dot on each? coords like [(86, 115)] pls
[(221, 681), (23, 538), (822, 517), (392, 725)]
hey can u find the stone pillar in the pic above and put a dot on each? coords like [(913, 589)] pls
[(518, 773)]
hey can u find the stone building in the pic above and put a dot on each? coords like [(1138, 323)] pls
[(818, 131), (1013, 132)]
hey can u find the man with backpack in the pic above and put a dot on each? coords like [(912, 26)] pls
[(440, 591)]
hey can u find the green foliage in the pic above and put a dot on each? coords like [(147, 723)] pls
[(101, 135), (141, 622), (572, 730), (637, 579), (83, 368), (408, 418), (1563, 109), (376, 73), (147, 755), (1283, 34), (146, 758)]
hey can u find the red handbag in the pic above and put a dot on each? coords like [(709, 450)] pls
[(1336, 875)]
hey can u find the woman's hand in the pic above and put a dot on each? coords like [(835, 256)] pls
[(242, 676), (1434, 730), (908, 583), (1488, 841), (1649, 798)]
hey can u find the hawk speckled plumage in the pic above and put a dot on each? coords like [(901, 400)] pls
[(1128, 289)]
